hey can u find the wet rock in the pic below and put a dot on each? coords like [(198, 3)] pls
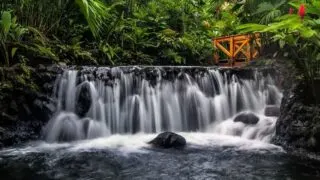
[(28, 105), (298, 125), (247, 118), (316, 132), (41, 67), (169, 140), (13, 107), (7, 119), (316, 138), (84, 101), (43, 108), (272, 111)]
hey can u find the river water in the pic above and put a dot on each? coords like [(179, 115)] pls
[(106, 116), (207, 156)]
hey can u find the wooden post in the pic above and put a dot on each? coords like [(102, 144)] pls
[(231, 51)]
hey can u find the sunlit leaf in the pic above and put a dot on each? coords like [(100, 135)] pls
[(13, 52), (6, 22), (245, 28)]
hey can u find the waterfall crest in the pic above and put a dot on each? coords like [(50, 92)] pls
[(96, 102)]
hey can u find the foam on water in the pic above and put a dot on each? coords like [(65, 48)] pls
[(262, 131), (138, 143)]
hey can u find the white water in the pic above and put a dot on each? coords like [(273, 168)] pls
[(138, 143), (127, 103)]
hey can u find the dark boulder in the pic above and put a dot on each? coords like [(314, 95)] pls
[(272, 111), (84, 100), (169, 140), (44, 108), (247, 118)]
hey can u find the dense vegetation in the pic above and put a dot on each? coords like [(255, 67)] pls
[(115, 32), (106, 32), (122, 32), (295, 27)]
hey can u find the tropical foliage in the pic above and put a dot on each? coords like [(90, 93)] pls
[(297, 33), (116, 32), (122, 32)]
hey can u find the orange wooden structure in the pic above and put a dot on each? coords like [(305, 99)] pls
[(239, 49)]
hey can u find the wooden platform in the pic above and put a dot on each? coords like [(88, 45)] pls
[(239, 50)]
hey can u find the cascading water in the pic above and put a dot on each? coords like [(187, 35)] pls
[(96, 102), (126, 106)]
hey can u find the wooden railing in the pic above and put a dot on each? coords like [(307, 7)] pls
[(238, 50)]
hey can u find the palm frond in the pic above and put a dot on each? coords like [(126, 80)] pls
[(95, 12), (270, 16)]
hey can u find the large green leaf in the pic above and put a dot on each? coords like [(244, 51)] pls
[(307, 32), (285, 22), (6, 22), (245, 28)]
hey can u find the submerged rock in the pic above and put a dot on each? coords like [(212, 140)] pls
[(169, 140), (83, 100), (247, 118), (272, 111)]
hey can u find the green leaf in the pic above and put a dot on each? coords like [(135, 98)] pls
[(6, 22), (245, 28), (13, 51), (307, 33)]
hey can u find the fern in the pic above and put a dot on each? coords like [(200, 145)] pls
[(269, 11), (270, 16)]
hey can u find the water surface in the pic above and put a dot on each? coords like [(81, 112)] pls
[(207, 156)]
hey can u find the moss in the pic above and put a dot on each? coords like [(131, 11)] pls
[(17, 77)]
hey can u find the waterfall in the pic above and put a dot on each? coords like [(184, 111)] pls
[(96, 102)]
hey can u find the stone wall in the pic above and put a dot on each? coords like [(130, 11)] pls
[(26, 103)]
